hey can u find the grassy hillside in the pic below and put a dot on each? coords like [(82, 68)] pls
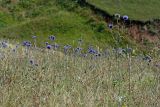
[(136, 9), (80, 75), (63, 18)]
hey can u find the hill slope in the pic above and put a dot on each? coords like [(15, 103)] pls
[(63, 18), (143, 10)]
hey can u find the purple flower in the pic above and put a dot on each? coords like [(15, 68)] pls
[(147, 58), (27, 43), (4, 44), (46, 43), (31, 61), (77, 50), (56, 46), (52, 38), (117, 16), (110, 26), (80, 41), (24, 43), (34, 37), (66, 47), (99, 54), (14, 50), (129, 50), (49, 46), (92, 51), (84, 55), (125, 17)]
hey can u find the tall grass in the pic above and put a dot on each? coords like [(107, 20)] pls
[(42, 77)]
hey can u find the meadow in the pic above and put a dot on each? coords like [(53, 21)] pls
[(60, 54), (63, 76), (142, 10)]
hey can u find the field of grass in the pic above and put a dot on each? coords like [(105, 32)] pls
[(36, 77), (142, 10), (63, 18), (87, 64)]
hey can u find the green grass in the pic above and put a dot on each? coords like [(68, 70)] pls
[(63, 80), (64, 19), (142, 10)]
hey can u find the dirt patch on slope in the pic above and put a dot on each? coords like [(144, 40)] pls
[(141, 34)]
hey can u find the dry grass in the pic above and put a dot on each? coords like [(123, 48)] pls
[(56, 80)]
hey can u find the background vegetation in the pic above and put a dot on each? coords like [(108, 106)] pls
[(142, 10), (20, 20)]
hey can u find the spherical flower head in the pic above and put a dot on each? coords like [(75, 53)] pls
[(46, 43), (52, 38), (56, 46), (125, 17), (92, 51), (78, 49), (31, 61), (14, 50), (80, 41), (117, 16), (110, 25), (147, 58), (84, 55), (67, 46), (34, 37), (49, 46), (26, 43), (129, 50), (4, 44)]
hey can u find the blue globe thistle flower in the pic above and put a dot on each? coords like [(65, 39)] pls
[(49, 46), (17, 45), (80, 41), (52, 38), (118, 50), (110, 26), (92, 51), (147, 58), (4, 44), (66, 47), (125, 17), (26, 43), (84, 55), (14, 50), (129, 50), (46, 43), (31, 61), (77, 50), (117, 16), (34, 37), (56, 46)]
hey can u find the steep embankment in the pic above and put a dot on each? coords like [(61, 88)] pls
[(143, 31)]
